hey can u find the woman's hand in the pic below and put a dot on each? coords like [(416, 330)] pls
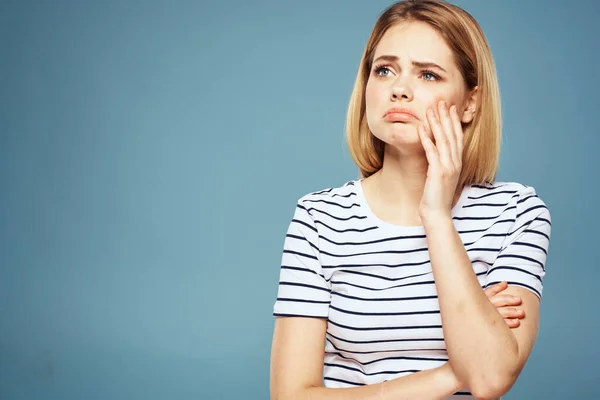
[(505, 304), (444, 158)]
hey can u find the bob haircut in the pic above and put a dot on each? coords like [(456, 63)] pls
[(464, 36)]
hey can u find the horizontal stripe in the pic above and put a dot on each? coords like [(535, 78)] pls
[(519, 284), (492, 194), (298, 315), (482, 218), (383, 328), (335, 217), (289, 267), (430, 282), (370, 228), (376, 265), (385, 299), (403, 371), (305, 224), (535, 246), (379, 350), (373, 283), (500, 267), (302, 300), (289, 235), (375, 252), (486, 205), (303, 285), (391, 239), (388, 279), (396, 358), (300, 254), (536, 233), (531, 209), (378, 314), (502, 221), (424, 339), (334, 203), (520, 257)]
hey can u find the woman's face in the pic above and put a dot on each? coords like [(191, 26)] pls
[(412, 69)]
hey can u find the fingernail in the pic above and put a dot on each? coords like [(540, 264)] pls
[(443, 104)]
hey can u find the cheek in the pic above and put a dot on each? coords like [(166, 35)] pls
[(373, 103), (434, 100), (372, 95)]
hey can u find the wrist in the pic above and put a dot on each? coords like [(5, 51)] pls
[(435, 218)]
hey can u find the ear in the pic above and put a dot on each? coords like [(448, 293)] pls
[(470, 107)]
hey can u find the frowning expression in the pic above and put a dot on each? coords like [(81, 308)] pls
[(413, 68)]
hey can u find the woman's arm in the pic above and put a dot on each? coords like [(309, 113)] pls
[(436, 383), (484, 352), (297, 370), (298, 345)]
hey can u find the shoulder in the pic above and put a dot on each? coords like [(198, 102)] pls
[(521, 198), (341, 196)]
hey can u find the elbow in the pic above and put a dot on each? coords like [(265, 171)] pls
[(493, 383), (492, 387)]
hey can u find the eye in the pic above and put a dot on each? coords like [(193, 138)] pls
[(381, 68), (430, 76)]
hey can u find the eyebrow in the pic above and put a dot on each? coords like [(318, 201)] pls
[(420, 64)]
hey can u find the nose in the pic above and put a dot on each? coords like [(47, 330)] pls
[(402, 89)]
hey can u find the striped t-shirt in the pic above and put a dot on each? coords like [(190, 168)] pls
[(373, 280)]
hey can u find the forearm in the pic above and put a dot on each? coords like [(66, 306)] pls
[(436, 383), (481, 347)]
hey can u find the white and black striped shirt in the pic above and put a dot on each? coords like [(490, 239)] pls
[(373, 281)]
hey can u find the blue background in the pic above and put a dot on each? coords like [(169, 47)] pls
[(151, 156)]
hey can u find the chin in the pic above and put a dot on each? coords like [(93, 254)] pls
[(402, 135)]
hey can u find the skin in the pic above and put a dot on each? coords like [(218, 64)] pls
[(415, 187), (397, 188)]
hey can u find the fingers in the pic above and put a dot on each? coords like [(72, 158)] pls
[(458, 131), (447, 130), (503, 303), (503, 300), (495, 289), (441, 139), (511, 312), (431, 152), (512, 323)]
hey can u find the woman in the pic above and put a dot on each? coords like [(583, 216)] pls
[(380, 292)]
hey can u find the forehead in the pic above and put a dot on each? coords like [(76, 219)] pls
[(415, 41)]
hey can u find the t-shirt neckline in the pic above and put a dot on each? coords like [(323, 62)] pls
[(400, 229)]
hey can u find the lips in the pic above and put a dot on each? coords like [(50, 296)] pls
[(400, 115)]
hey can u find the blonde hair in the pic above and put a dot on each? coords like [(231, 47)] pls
[(462, 33)]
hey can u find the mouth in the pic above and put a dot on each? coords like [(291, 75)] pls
[(400, 117)]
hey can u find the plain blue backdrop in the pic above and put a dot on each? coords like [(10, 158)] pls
[(151, 156)]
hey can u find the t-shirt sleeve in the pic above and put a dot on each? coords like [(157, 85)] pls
[(522, 259), (303, 289)]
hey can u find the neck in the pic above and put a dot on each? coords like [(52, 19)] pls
[(401, 180)]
